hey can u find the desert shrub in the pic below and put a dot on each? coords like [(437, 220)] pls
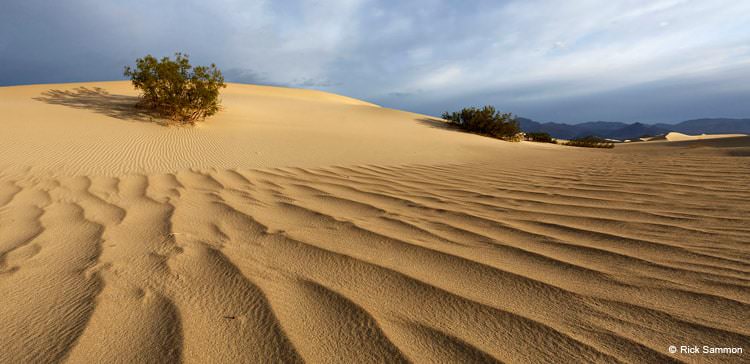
[(539, 137), (176, 90), (590, 142), (517, 137), (485, 121)]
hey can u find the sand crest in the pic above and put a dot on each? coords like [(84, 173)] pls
[(679, 137)]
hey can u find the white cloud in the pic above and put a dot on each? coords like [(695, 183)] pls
[(435, 49), (599, 46)]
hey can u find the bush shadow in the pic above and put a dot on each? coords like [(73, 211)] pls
[(444, 125), (100, 101), (438, 124)]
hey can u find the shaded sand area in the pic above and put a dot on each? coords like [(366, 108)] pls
[(303, 226)]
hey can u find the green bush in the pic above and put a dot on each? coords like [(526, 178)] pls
[(486, 121), (175, 89), (590, 142), (540, 137)]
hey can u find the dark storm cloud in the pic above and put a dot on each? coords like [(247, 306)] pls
[(563, 61)]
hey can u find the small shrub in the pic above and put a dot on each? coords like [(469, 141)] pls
[(175, 89), (517, 137), (486, 121), (590, 142), (540, 137)]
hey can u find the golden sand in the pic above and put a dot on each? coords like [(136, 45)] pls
[(304, 226)]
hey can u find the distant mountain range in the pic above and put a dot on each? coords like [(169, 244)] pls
[(622, 131)]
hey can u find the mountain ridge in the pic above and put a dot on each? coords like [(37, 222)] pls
[(622, 130)]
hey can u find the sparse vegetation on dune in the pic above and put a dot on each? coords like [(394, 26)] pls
[(485, 121), (590, 142), (175, 90), (539, 137)]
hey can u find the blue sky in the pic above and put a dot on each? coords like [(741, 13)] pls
[(566, 61)]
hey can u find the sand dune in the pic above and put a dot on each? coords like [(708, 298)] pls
[(91, 129), (679, 137), (304, 226)]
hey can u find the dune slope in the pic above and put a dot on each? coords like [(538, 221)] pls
[(679, 137), (303, 226), (94, 129)]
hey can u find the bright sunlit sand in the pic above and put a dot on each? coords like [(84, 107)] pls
[(299, 225), (93, 128), (679, 137)]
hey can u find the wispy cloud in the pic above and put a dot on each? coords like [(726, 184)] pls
[(530, 57)]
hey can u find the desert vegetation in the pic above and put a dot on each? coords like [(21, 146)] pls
[(540, 138), (485, 121), (590, 142), (175, 90)]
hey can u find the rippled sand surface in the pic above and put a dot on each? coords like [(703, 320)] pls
[(304, 226)]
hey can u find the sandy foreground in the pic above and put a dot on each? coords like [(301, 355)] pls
[(303, 226)]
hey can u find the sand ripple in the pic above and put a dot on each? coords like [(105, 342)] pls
[(611, 260)]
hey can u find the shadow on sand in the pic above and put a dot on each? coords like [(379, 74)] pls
[(440, 124), (437, 123), (100, 101)]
